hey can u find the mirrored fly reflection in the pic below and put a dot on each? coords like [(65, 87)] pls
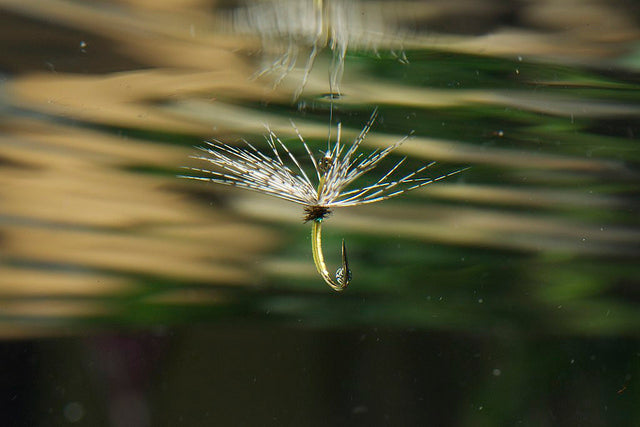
[(293, 32)]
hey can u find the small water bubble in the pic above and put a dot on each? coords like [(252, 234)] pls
[(129, 407), (572, 361), (480, 300), (361, 409), (497, 372), (83, 46), (73, 412), (519, 58), (517, 71)]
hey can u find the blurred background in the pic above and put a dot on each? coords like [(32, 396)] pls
[(508, 294)]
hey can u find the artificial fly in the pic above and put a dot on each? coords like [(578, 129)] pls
[(340, 165)]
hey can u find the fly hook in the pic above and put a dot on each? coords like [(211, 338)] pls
[(343, 273)]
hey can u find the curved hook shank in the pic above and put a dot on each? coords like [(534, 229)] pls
[(343, 274)]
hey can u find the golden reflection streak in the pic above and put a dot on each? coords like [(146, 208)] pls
[(111, 104), (238, 119), (65, 176), (484, 227), (55, 308), (69, 202), (28, 282), (565, 31)]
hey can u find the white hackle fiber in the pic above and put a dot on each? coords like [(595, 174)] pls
[(341, 165)]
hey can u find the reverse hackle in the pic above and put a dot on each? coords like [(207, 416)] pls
[(280, 174)]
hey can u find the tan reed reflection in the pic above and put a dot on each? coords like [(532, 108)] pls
[(76, 224), (77, 221), (488, 227), (195, 37), (27, 282), (235, 119)]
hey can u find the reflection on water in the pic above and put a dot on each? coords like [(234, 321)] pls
[(91, 206), (291, 30), (102, 103)]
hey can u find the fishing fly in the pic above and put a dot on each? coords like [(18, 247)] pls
[(280, 174)]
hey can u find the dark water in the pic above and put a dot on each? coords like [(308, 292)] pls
[(505, 295)]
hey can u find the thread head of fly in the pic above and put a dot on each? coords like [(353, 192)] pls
[(316, 213)]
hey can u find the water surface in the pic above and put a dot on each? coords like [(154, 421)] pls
[(505, 295)]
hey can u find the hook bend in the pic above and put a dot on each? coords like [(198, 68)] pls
[(343, 274)]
